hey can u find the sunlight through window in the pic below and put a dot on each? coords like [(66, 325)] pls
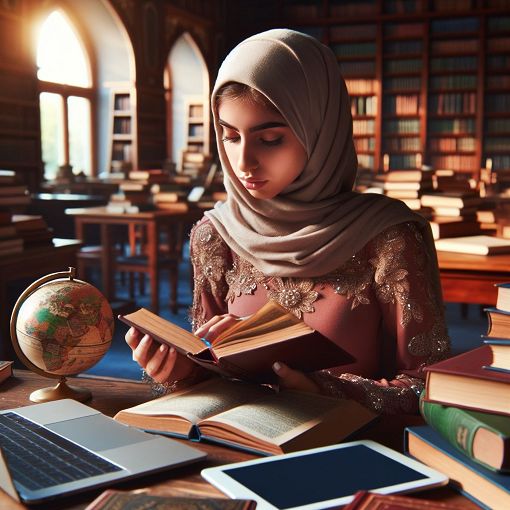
[(60, 55), (65, 97)]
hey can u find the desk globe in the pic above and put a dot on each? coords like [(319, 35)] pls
[(61, 326)]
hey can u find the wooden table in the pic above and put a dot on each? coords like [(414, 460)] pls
[(111, 395), (152, 221), (32, 263), (471, 278)]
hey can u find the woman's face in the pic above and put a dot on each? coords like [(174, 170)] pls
[(262, 150)]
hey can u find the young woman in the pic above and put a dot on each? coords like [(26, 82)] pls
[(359, 268)]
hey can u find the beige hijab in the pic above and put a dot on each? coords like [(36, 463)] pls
[(317, 222)]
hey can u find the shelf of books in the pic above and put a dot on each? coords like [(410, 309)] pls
[(452, 96), (356, 49), (196, 130), (123, 138), (496, 150), (404, 54)]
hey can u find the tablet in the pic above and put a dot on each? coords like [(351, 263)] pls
[(322, 477)]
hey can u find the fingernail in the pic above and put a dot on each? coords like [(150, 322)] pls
[(276, 366), (146, 339), (163, 347), (172, 350)]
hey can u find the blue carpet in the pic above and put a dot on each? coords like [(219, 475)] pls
[(464, 332)]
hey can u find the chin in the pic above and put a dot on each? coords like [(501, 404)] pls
[(260, 195)]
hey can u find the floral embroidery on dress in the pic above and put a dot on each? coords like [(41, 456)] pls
[(391, 282), (209, 255), (353, 280), (242, 278), (295, 295)]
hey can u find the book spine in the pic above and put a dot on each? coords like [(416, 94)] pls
[(456, 425)]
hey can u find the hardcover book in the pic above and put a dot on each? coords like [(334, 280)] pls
[(249, 348), (249, 416), (475, 245), (499, 323), (453, 227), (484, 437), (462, 381), (365, 500), (485, 487), (135, 500), (500, 350), (452, 199), (5, 370), (503, 299)]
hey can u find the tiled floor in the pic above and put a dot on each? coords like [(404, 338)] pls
[(464, 332)]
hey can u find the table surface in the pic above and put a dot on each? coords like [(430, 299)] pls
[(111, 395)]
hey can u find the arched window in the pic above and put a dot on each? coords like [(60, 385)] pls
[(66, 94)]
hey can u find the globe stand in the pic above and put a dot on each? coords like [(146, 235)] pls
[(60, 390)]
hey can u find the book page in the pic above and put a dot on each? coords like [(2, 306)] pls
[(271, 317), (275, 416), (201, 401)]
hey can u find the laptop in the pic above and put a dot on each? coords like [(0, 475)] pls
[(62, 447)]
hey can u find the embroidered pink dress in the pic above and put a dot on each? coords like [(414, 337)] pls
[(383, 306)]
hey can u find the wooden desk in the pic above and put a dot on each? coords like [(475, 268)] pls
[(30, 264), (471, 278), (152, 221), (112, 395)]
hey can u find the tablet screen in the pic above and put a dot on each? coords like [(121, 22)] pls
[(321, 476)]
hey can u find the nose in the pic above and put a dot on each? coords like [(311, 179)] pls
[(247, 161)]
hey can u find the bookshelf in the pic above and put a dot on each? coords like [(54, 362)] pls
[(429, 79), (123, 130), (497, 94), (355, 47), (196, 125), (404, 53), (453, 130)]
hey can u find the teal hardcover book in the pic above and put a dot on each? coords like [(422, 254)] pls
[(487, 488)]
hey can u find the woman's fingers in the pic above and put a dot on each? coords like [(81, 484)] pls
[(133, 337), (145, 349), (294, 379), (161, 364), (217, 325)]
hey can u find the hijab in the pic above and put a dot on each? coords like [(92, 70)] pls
[(317, 222)]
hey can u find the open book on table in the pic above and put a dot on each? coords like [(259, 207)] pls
[(248, 349), (249, 416)]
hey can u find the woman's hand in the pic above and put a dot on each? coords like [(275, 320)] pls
[(161, 362), (294, 379), (215, 326)]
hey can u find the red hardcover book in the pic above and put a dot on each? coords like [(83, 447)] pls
[(462, 381)]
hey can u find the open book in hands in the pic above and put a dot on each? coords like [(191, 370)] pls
[(249, 416), (248, 349)]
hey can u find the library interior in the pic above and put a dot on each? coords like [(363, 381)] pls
[(109, 158)]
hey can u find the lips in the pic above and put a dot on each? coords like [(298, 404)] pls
[(252, 184)]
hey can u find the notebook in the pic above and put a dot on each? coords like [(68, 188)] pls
[(62, 447)]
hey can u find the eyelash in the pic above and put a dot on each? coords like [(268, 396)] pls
[(268, 143)]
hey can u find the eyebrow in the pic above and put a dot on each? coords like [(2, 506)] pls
[(258, 127)]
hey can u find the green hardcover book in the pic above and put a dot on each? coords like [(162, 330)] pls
[(484, 437)]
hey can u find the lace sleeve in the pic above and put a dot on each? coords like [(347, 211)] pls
[(209, 257), (407, 287)]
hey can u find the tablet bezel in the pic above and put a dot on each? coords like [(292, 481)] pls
[(220, 479)]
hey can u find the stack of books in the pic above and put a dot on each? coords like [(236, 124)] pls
[(13, 196), (466, 404), (33, 230), (10, 242), (405, 185), (498, 331)]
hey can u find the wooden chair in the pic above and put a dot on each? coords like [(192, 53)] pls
[(135, 263)]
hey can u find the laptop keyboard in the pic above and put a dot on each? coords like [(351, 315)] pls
[(38, 458)]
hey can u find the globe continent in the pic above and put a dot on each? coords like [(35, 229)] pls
[(65, 327)]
